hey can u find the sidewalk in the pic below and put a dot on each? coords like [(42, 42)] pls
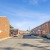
[(4, 38)]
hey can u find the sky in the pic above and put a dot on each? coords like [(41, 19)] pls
[(25, 14)]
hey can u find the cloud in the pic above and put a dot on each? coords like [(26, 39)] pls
[(34, 2), (31, 14), (27, 18), (24, 25), (30, 19)]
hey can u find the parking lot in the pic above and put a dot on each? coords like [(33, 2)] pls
[(36, 43)]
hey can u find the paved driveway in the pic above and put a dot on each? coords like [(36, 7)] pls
[(25, 44)]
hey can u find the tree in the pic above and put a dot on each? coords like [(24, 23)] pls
[(11, 27)]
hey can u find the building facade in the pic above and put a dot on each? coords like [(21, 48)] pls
[(4, 27), (13, 32), (18, 32), (42, 29)]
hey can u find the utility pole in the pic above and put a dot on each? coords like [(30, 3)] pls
[(29, 28)]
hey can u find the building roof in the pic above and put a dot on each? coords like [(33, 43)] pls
[(2, 16)]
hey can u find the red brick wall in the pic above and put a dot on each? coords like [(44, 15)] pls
[(4, 27), (42, 29), (49, 26), (45, 28)]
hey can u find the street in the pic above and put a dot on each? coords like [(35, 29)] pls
[(25, 44)]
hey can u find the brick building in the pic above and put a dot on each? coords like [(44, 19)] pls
[(18, 32), (42, 29), (13, 32), (4, 27)]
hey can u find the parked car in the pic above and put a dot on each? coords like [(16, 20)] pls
[(15, 35), (48, 36)]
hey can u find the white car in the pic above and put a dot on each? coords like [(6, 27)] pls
[(48, 36)]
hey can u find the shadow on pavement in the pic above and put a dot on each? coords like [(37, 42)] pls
[(9, 48), (29, 45), (45, 41), (25, 44)]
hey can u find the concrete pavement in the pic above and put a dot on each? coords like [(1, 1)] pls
[(25, 44)]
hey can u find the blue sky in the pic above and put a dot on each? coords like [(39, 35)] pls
[(25, 14)]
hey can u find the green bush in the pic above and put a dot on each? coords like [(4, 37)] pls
[(44, 35)]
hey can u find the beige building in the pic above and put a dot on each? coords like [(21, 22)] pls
[(18, 32)]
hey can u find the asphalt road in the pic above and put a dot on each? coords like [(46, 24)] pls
[(25, 44)]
